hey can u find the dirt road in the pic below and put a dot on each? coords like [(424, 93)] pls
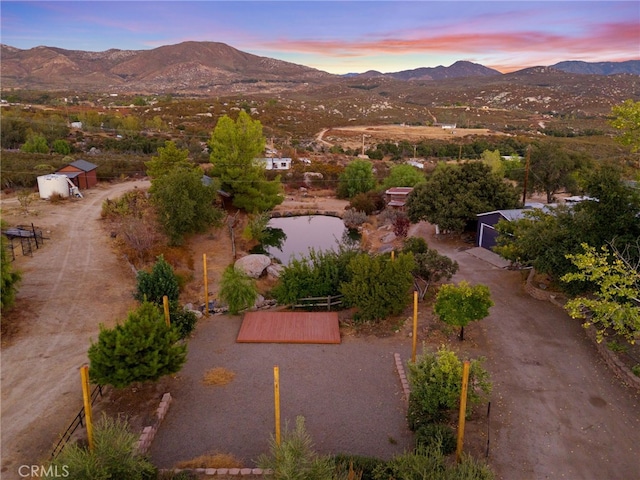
[(70, 286), (557, 411)]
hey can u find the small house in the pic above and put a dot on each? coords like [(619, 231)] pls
[(81, 173), (273, 163), (396, 197), (486, 232)]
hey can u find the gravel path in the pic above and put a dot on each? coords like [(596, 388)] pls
[(333, 386)]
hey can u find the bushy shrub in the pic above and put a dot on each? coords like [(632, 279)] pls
[(388, 216), (368, 202), (436, 435), (114, 455), (429, 463), (436, 382), (184, 321), (378, 286), (319, 274), (354, 218), (363, 466), (294, 458), (237, 290), (401, 225), (161, 281)]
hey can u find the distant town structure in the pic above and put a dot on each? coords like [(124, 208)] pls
[(396, 197), (272, 163)]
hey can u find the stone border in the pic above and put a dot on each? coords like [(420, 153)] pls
[(623, 372), (304, 213), (149, 433), (403, 377), (222, 471)]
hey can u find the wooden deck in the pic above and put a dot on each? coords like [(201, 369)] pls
[(289, 327)]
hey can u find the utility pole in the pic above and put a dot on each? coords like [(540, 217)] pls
[(526, 176)]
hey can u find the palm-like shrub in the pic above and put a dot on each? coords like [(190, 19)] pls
[(237, 289), (114, 455)]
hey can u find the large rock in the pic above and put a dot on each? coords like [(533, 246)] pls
[(253, 265), (275, 269)]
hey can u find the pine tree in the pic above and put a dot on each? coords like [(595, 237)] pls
[(143, 348), (160, 282)]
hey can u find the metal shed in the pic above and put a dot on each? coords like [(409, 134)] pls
[(82, 173)]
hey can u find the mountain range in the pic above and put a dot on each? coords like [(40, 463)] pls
[(213, 67)]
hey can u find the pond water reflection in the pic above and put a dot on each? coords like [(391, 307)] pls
[(289, 237)]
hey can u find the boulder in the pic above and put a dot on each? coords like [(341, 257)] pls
[(253, 265), (275, 269), (389, 237)]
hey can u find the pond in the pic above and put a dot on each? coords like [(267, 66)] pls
[(292, 237)]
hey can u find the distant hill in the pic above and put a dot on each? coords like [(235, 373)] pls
[(599, 68), (216, 68)]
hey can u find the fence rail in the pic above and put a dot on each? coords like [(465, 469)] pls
[(75, 423), (313, 302)]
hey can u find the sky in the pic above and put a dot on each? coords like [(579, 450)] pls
[(343, 36)]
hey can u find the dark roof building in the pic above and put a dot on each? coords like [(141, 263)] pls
[(82, 173)]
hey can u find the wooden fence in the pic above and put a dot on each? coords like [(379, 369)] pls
[(317, 302)]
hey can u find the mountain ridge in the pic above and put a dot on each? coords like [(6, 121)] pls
[(206, 66)]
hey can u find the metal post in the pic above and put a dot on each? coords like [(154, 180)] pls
[(463, 409), (276, 392), (86, 396), (415, 327), (165, 304), (206, 284)]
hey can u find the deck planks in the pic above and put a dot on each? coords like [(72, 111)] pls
[(289, 327)]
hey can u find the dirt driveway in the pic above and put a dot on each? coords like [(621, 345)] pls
[(70, 286)]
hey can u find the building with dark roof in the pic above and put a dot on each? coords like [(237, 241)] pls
[(82, 173)]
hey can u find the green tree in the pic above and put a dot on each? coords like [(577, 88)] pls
[(454, 194), (153, 286), (9, 277), (458, 305), (378, 286), (615, 305), (169, 158), (61, 146), (403, 176), (436, 382), (551, 169), (13, 131), (431, 267), (114, 456), (35, 143), (185, 205), (627, 122), (234, 147), (494, 161), (356, 178), (237, 289), (143, 348)]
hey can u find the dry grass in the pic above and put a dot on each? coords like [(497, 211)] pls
[(218, 376), (211, 460)]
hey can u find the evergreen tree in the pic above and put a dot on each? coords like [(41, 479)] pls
[(143, 348), (159, 282), (169, 158), (234, 147), (357, 178)]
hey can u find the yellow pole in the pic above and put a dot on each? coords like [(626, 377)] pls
[(165, 304), (463, 408), (415, 327), (86, 396), (393, 255), (276, 392), (206, 285)]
